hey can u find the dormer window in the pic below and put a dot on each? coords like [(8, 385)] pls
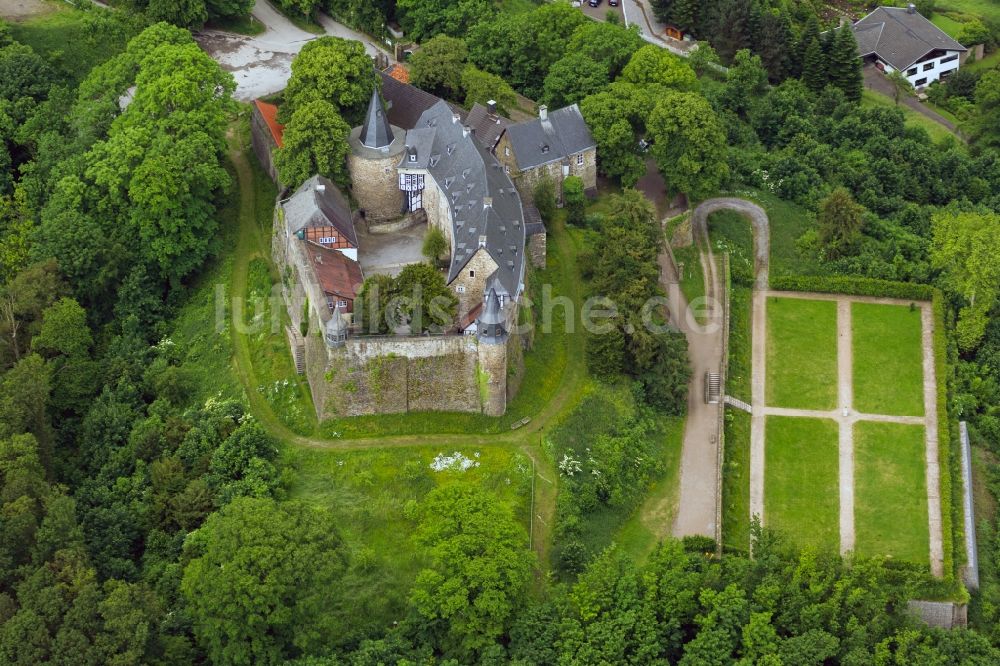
[(411, 154), (451, 148), (545, 149)]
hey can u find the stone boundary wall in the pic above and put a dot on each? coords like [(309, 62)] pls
[(970, 572)]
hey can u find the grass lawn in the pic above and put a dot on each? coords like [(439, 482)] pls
[(736, 469), (730, 230), (890, 496), (244, 25), (374, 494), (948, 24), (70, 40), (989, 9), (692, 277), (913, 119), (888, 359), (801, 353), (801, 485)]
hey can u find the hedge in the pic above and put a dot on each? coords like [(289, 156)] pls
[(946, 463), (853, 286)]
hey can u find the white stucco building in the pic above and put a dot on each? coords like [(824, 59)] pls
[(900, 39)]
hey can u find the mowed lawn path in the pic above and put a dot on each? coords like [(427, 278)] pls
[(802, 495), (888, 359), (890, 505), (801, 353)]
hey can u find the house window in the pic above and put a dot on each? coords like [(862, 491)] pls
[(579, 159), (911, 71), (327, 240), (950, 58), (929, 66), (460, 288), (506, 168), (342, 304), (920, 82), (506, 151), (472, 274)]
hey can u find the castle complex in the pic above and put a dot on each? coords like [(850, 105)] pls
[(415, 165)]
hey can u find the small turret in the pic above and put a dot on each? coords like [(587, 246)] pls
[(336, 329), (376, 132), (491, 324)]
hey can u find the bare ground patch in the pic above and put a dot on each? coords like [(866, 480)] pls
[(19, 10)]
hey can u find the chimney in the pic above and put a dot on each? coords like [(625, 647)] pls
[(455, 117), (491, 106), (466, 130), (487, 202), (543, 112), (911, 9)]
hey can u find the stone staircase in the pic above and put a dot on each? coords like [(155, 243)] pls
[(713, 388), (298, 346), (739, 404)]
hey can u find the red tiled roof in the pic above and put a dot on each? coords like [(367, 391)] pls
[(337, 273), (400, 73), (270, 114), (470, 317)]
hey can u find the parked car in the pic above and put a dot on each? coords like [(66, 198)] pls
[(594, 3), (612, 3)]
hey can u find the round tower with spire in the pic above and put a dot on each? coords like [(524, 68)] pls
[(376, 149), (491, 329), (335, 331)]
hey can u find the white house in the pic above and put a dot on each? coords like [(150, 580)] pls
[(900, 39)]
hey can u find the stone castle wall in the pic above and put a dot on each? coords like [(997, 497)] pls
[(384, 375)]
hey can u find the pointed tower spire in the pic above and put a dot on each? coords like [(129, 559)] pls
[(491, 320), (376, 132)]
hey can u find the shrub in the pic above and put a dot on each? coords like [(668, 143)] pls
[(575, 200), (545, 199)]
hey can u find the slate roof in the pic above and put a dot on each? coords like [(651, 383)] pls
[(337, 273), (487, 126), (483, 201), (561, 134), (376, 132), (404, 103), (900, 37), (311, 207)]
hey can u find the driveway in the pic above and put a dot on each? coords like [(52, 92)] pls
[(262, 64), (878, 82), (639, 13)]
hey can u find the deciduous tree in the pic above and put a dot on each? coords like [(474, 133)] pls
[(689, 144), (314, 142), (260, 580)]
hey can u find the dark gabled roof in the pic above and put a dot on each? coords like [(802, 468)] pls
[(376, 132), (563, 133), (900, 36), (405, 103), (319, 203), (487, 126), (533, 224), (337, 273), (484, 204)]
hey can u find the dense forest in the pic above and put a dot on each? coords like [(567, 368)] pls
[(140, 525)]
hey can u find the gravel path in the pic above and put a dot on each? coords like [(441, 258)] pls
[(262, 64), (845, 395), (697, 508)]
